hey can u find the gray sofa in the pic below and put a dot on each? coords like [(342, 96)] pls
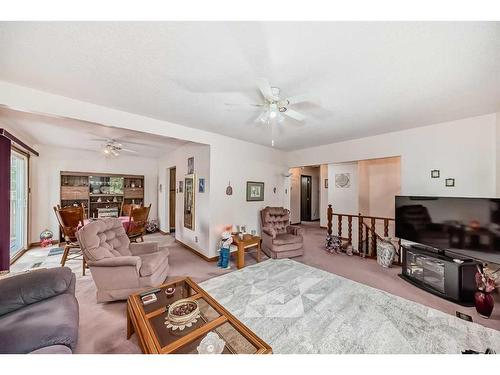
[(39, 312)]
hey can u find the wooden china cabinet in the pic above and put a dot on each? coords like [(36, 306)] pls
[(100, 191)]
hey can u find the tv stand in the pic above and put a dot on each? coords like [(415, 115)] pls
[(449, 277)]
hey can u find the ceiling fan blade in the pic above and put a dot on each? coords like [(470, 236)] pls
[(131, 143), (300, 99), (294, 114), (244, 104), (128, 150), (265, 88), (261, 118)]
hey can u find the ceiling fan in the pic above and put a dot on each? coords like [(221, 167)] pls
[(275, 107), (113, 148)]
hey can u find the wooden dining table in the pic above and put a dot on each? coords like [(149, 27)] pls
[(123, 219)]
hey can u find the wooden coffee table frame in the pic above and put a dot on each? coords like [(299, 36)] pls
[(138, 322)]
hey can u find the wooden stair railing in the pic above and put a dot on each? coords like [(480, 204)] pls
[(367, 235)]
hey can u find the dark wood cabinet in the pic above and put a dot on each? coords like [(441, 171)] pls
[(100, 190)]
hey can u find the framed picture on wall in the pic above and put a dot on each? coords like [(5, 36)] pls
[(180, 186), (191, 165), (189, 194), (435, 173), (201, 185), (326, 183), (255, 191)]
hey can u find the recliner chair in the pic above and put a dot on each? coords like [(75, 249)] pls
[(120, 268), (279, 238)]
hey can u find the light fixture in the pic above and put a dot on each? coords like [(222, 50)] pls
[(110, 151)]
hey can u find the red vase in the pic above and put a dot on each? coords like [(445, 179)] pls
[(484, 303)]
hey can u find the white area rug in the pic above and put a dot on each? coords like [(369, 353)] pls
[(300, 309)]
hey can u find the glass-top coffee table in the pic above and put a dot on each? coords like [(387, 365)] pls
[(148, 322)]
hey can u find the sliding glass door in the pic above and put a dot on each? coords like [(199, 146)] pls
[(18, 203)]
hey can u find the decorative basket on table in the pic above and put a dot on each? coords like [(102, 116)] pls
[(182, 313)]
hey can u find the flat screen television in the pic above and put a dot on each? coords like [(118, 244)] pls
[(464, 226)]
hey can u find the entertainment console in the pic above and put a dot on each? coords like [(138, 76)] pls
[(448, 276)]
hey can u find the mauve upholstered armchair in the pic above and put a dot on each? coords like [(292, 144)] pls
[(279, 238), (120, 268)]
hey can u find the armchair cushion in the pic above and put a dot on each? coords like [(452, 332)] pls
[(295, 230), (286, 238), (152, 262), (269, 231), (143, 248), (25, 289), (117, 262), (103, 238)]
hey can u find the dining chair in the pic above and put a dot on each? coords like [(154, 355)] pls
[(126, 207), (136, 226), (70, 220)]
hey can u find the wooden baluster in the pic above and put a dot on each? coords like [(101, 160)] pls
[(374, 238), (340, 226), (386, 227), (329, 215), (367, 233), (360, 233), (349, 229)]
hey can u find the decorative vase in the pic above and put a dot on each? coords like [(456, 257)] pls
[(385, 253), (484, 303)]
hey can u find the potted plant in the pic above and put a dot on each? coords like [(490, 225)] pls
[(483, 300)]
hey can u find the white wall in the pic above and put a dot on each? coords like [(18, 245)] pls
[(379, 183), (239, 162), (45, 177), (497, 155), (463, 149), (199, 238), (236, 162)]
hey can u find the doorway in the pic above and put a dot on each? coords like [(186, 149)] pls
[(171, 199), (18, 203), (305, 197)]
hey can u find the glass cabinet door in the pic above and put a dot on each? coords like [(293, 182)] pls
[(18, 203)]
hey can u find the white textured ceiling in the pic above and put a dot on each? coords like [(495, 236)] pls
[(75, 134), (372, 77)]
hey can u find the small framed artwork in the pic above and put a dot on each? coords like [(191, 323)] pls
[(435, 173), (190, 165), (201, 185), (326, 183), (255, 191), (181, 183), (450, 182)]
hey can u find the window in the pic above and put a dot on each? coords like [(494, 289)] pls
[(18, 203)]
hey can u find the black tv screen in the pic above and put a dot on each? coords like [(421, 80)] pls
[(466, 226)]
